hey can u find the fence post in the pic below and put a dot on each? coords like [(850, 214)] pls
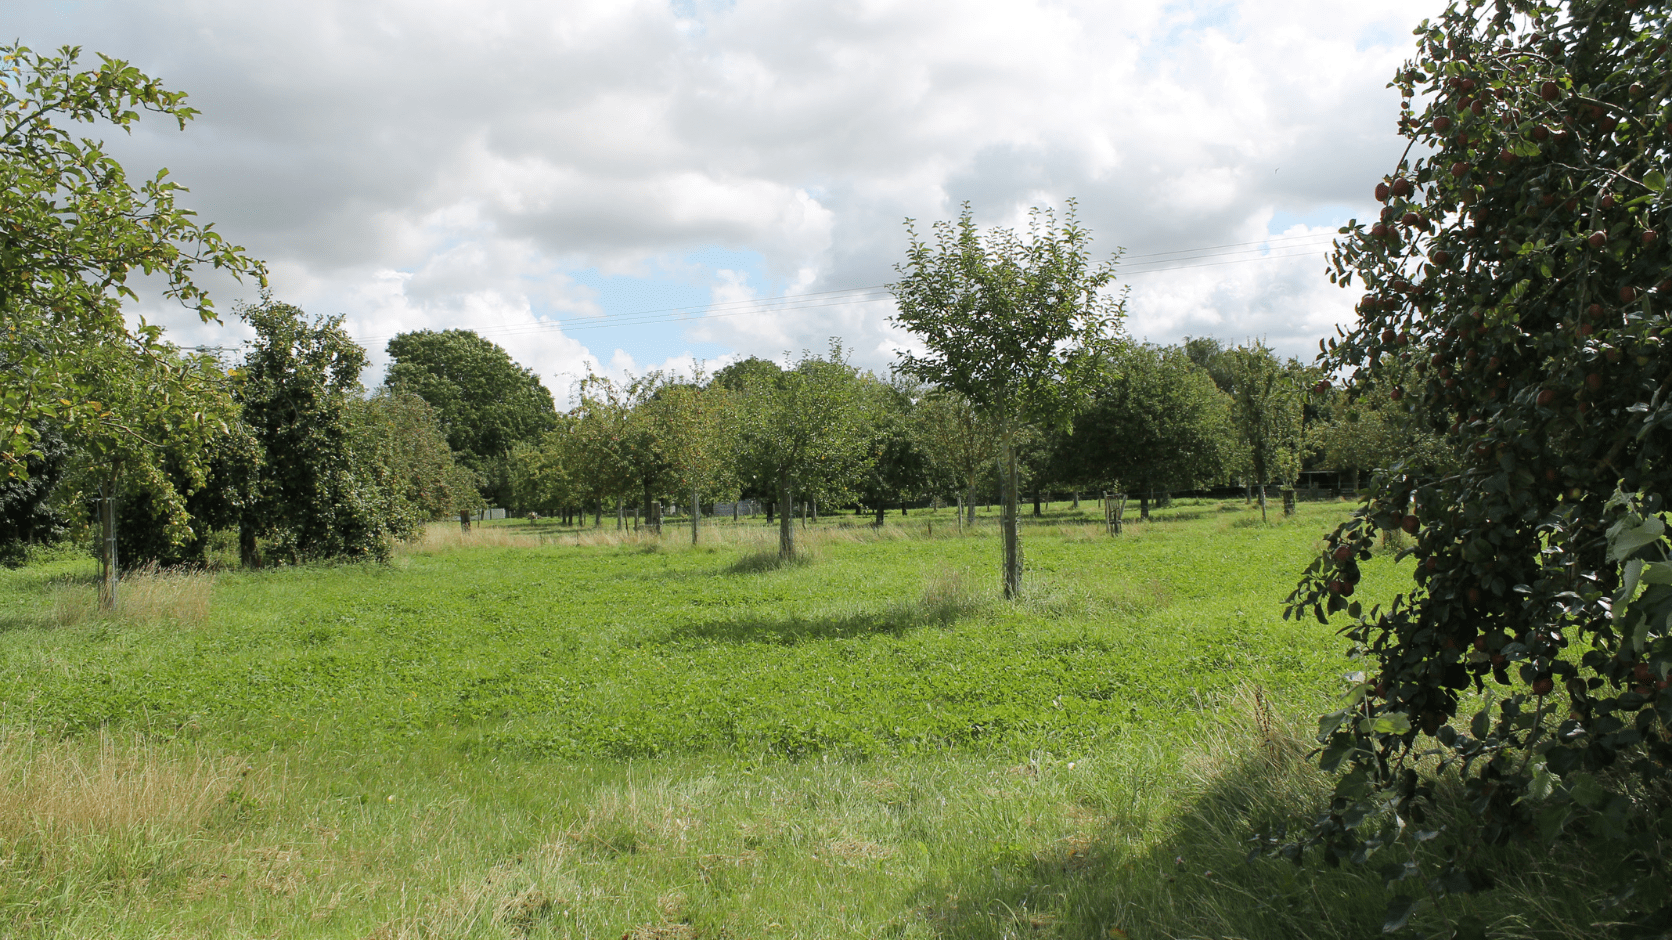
[(108, 578)]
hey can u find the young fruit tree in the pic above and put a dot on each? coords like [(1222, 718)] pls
[(1521, 265), (1018, 325), (960, 442), (804, 432), (1267, 398)]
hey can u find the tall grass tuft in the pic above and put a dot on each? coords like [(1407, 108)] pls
[(145, 595)]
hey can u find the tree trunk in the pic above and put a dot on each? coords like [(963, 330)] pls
[(1355, 481), (1262, 502), (108, 576), (598, 517), (696, 514), (1008, 519), (247, 557), (1036, 503), (881, 511), (1143, 505), (786, 525), (1076, 504), (903, 507), (620, 514), (969, 503), (813, 510), (770, 506)]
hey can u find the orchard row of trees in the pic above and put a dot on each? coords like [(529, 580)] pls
[(819, 431)]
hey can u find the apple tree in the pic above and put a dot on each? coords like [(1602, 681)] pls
[(1520, 265), (1156, 421), (805, 432), (74, 229), (1018, 326)]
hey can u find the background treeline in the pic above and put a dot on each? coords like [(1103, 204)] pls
[(300, 461)]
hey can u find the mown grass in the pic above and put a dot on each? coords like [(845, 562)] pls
[(542, 732)]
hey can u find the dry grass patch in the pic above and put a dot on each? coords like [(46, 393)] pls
[(146, 595), (66, 788)]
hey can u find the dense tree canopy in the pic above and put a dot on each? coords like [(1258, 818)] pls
[(314, 497), (804, 432), (1520, 265), (486, 402), (1156, 422)]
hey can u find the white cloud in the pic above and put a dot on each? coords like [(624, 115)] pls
[(449, 164)]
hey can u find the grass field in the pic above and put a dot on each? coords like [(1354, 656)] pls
[(545, 732)]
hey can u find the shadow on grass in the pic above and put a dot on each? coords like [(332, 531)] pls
[(764, 561), (946, 600), (1185, 872)]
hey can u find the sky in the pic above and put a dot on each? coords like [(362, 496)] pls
[(627, 185)]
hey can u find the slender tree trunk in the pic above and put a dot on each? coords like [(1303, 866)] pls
[(1076, 504), (1009, 520), (620, 514), (247, 557), (696, 514), (770, 506), (881, 510), (1143, 505), (903, 506), (1036, 503), (1262, 502), (969, 502), (786, 525), (108, 576), (813, 510), (598, 517)]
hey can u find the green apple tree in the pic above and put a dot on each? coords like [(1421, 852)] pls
[(1018, 325), (74, 229), (1520, 264)]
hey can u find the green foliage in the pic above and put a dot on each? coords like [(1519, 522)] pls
[(75, 229), (962, 444), (485, 401), (1267, 401), (804, 433), (317, 494), (1018, 326), (398, 436), (1365, 428), (1157, 422), (27, 516), (695, 426), (162, 419), (897, 464), (1523, 255)]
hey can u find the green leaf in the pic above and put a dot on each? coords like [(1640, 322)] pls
[(1392, 723), (1586, 791), (1399, 912), (1542, 785), (1625, 538), (1655, 180)]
